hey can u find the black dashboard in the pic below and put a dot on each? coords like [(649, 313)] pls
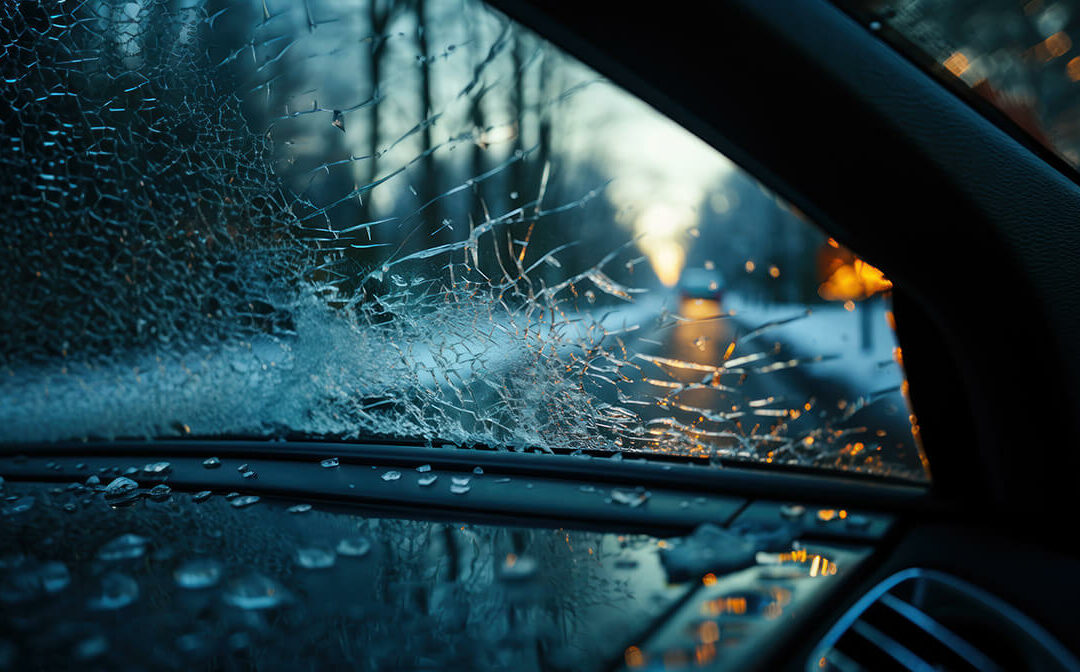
[(405, 557)]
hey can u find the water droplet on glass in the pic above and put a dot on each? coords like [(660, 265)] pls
[(254, 591), (459, 480), (120, 487), (427, 480), (93, 480), (18, 505), (391, 475), (459, 489), (159, 492), (117, 591), (124, 547), (249, 474), (131, 471), (423, 468), (91, 647), (240, 502), (242, 468), (632, 498), (31, 580), (330, 463), (479, 471), (201, 496), (211, 463), (157, 468), (232, 495), (54, 576), (299, 508), (354, 547), (503, 479), (590, 296), (792, 511), (198, 573), (315, 558)]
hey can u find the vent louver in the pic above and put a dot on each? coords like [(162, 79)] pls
[(928, 621)]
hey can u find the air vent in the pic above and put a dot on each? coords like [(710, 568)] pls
[(927, 621)]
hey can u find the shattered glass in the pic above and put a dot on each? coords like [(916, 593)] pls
[(416, 220)]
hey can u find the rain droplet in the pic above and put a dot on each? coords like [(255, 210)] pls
[(240, 502), (211, 463), (54, 576), (391, 475), (315, 558), (131, 471), (117, 591), (423, 468), (479, 471), (232, 495), (632, 498), (157, 468), (254, 591), (159, 493), (93, 480), (459, 480), (354, 547), (242, 468), (124, 547), (590, 296), (91, 647), (330, 463), (201, 496), (299, 508), (338, 120), (427, 480), (504, 479), (459, 489), (120, 487), (792, 511), (198, 573), (32, 580), (249, 474), (18, 505)]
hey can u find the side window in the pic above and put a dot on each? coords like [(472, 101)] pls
[(407, 219)]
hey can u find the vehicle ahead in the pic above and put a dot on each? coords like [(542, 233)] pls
[(702, 283), (315, 366)]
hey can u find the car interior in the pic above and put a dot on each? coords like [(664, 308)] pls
[(463, 557)]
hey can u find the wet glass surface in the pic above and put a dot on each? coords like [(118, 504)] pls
[(419, 220), (97, 582), (1018, 56)]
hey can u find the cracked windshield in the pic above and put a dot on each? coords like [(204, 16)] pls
[(408, 220)]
